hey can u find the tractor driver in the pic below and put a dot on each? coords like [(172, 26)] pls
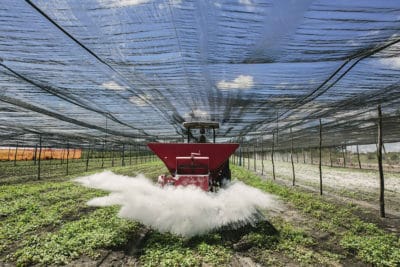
[(202, 138)]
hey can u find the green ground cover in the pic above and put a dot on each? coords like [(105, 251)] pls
[(362, 239), (48, 222)]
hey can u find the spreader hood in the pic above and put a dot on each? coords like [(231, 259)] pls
[(217, 153)]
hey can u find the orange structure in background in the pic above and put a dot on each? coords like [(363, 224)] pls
[(27, 153)]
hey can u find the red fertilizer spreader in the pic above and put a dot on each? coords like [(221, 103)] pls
[(204, 165)]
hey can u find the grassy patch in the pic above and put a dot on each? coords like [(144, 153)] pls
[(100, 229), (163, 249), (364, 240), (372, 244), (48, 223)]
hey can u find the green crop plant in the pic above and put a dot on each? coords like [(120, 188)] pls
[(49, 223), (100, 229), (365, 240)]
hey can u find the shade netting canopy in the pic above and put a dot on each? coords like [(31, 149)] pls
[(135, 70)]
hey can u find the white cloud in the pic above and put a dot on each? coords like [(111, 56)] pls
[(248, 3), (140, 100), (197, 113), (284, 85), (111, 85), (240, 82), (245, 2), (375, 32), (121, 3), (393, 62), (353, 43)]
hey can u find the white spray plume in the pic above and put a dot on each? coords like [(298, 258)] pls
[(185, 211)]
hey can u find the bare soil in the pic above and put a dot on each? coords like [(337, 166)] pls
[(359, 185)]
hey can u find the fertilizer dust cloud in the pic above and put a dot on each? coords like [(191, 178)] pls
[(185, 211)]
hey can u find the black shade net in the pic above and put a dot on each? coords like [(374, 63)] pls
[(133, 70)]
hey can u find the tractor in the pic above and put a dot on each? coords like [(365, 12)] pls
[(200, 164)]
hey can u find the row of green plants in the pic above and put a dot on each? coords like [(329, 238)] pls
[(99, 229), (52, 169), (365, 240), (35, 207), (48, 222)]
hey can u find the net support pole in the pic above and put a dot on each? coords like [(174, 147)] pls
[(248, 158), (379, 154), (291, 157), (130, 154), (311, 155), (123, 155), (67, 157), (344, 155), (240, 155), (272, 155), (87, 158), (136, 153), (262, 157), (140, 154), (320, 157), (358, 157), (62, 156), (330, 156), (34, 155), (40, 155), (112, 156), (255, 157), (15, 154), (102, 155)]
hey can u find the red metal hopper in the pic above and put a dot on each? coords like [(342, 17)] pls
[(217, 153), (198, 164)]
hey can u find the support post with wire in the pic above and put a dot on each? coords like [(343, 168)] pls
[(67, 156), (40, 155), (272, 155), (262, 157), (379, 154), (320, 157), (291, 158), (15, 154), (358, 157), (87, 158)]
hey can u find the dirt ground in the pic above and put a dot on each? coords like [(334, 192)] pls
[(343, 186), (360, 185)]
